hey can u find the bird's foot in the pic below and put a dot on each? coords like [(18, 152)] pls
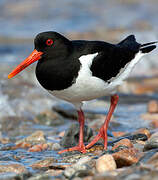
[(102, 134), (80, 148)]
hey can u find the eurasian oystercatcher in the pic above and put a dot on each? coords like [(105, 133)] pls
[(80, 70)]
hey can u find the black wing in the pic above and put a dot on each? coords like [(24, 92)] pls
[(109, 62)]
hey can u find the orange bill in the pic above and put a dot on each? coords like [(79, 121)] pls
[(34, 56)]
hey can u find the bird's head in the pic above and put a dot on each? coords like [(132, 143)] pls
[(47, 44)]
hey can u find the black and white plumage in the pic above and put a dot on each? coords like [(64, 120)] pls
[(79, 70), (85, 70)]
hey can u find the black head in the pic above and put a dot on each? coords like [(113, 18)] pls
[(51, 42), (48, 46)]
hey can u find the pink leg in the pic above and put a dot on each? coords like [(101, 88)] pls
[(80, 147), (103, 130)]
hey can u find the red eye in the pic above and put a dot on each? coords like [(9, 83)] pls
[(49, 42)]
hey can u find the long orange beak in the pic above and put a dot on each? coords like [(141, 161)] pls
[(34, 56)]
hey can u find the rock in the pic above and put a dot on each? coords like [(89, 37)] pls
[(142, 172), (154, 123), (126, 157), (54, 172), (123, 142), (70, 171), (43, 163), (84, 160), (49, 118), (38, 148), (143, 131), (61, 134), (153, 160), (71, 136), (79, 167), (35, 138), (139, 136), (56, 147), (96, 149), (152, 142), (118, 133), (105, 163), (23, 145), (42, 176), (104, 177), (152, 106), (10, 166)]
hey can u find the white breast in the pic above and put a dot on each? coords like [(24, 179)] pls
[(88, 87)]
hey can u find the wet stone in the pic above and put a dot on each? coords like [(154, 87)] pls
[(35, 138), (42, 176), (139, 136), (55, 147), (143, 131), (79, 169), (123, 142), (126, 157), (118, 133), (12, 167), (55, 172), (152, 142), (38, 148), (143, 172), (152, 106), (43, 163), (153, 160), (105, 163), (71, 136)]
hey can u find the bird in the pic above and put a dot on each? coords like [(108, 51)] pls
[(81, 70)]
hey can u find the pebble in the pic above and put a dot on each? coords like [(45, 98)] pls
[(55, 172), (70, 171), (56, 147), (152, 106), (23, 145), (123, 142), (126, 157), (81, 165), (12, 167), (143, 131), (118, 133), (153, 160), (35, 138), (105, 163), (43, 163), (152, 142), (38, 148)]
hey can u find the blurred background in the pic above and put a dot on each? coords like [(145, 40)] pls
[(21, 21), (25, 107)]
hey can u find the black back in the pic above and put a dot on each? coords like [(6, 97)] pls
[(110, 61)]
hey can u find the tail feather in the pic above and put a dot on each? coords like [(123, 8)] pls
[(148, 47)]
